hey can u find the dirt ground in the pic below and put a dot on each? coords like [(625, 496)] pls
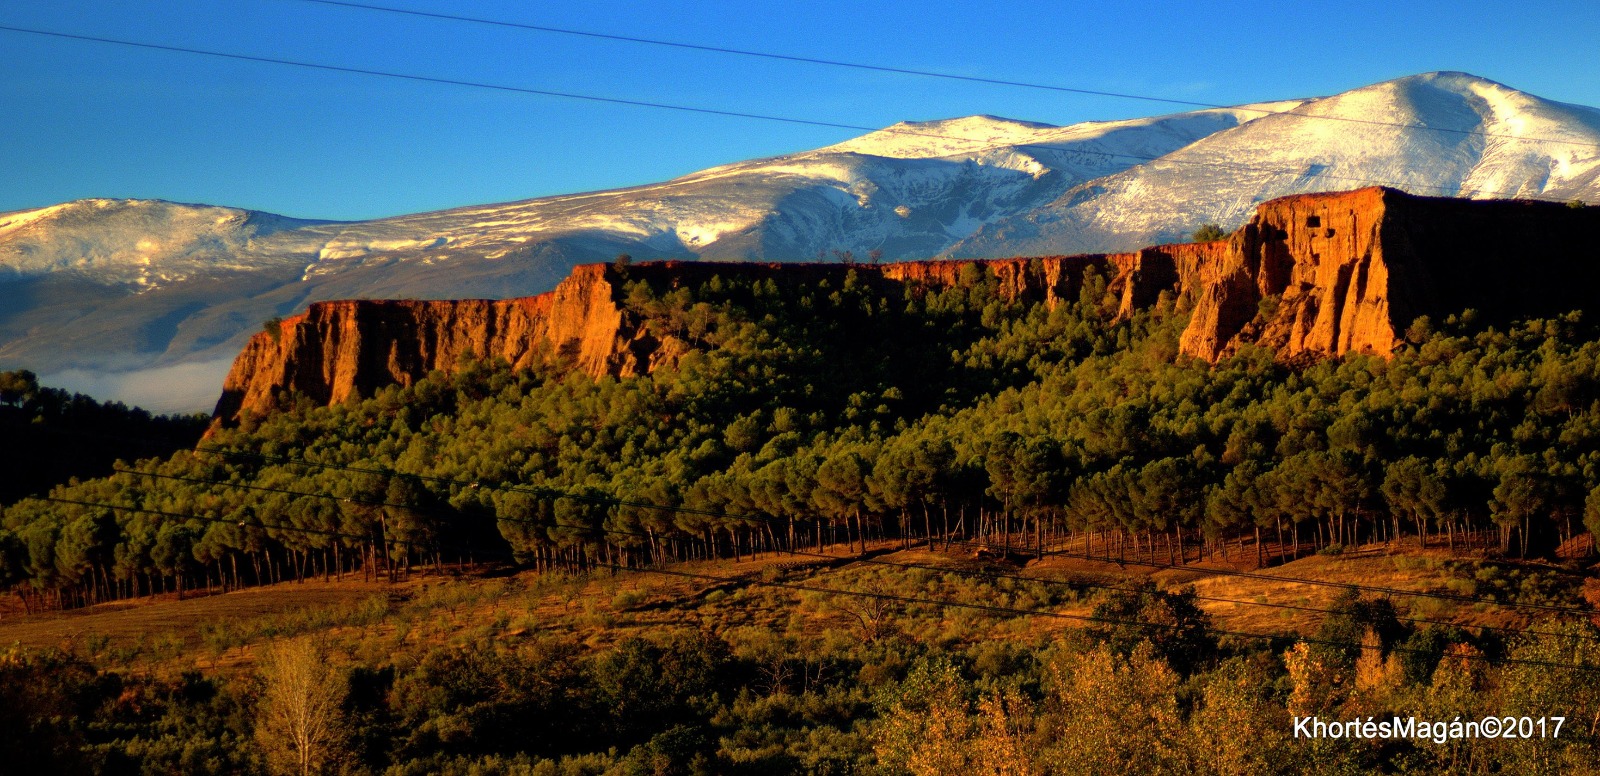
[(167, 617), (610, 605)]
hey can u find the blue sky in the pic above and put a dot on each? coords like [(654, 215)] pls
[(92, 120)]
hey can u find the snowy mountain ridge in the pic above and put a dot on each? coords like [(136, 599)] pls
[(1439, 134)]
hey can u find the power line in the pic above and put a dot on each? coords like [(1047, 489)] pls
[(762, 519), (556, 493), (287, 492), (546, 492), (989, 608), (1074, 584), (225, 520), (926, 73), (762, 54), (1296, 607), (432, 79), (1227, 166)]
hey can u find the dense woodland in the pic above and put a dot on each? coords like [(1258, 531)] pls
[(847, 415), (819, 415), (52, 436)]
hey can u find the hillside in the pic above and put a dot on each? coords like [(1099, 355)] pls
[(928, 518), (1435, 134), (154, 298), (1023, 403), (52, 436), (729, 668)]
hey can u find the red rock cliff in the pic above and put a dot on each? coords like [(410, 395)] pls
[(1309, 275), (1328, 274), (336, 350)]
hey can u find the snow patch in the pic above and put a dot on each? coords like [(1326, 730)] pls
[(350, 249), (13, 221)]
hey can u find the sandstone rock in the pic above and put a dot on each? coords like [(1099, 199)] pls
[(337, 350), (1349, 272)]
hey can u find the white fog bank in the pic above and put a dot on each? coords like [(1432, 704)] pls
[(180, 388)]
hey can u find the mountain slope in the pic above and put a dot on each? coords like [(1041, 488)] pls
[(1498, 143), (1348, 273), (124, 286)]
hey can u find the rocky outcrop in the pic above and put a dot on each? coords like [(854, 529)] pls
[(1328, 274), (1047, 279), (1309, 276), (336, 350)]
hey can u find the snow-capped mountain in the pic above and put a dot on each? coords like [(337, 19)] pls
[(1436, 134), (120, 286)]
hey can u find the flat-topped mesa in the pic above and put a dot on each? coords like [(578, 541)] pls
[(1309, 276), (337, 350)]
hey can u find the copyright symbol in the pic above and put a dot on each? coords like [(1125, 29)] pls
[(1490, 727)]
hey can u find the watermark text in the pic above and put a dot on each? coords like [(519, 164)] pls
[(1437, 731)]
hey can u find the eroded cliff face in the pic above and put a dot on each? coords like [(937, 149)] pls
[(1305, 275), (1327, 274), (336, 350), (1309, 276)]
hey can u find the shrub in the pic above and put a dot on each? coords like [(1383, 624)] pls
[(1171, 623)]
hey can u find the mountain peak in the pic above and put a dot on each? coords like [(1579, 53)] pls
[(942, 137), (1466, 112), (1449, 77)]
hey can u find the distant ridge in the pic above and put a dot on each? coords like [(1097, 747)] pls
[(114, 288)]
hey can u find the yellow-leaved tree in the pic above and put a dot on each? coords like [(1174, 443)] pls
[(932, 729), (300, 721), (1110, 714)]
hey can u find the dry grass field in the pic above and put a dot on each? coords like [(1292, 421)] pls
[(372, 619)]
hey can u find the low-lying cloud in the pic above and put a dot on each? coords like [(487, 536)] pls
[(181, 388)]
